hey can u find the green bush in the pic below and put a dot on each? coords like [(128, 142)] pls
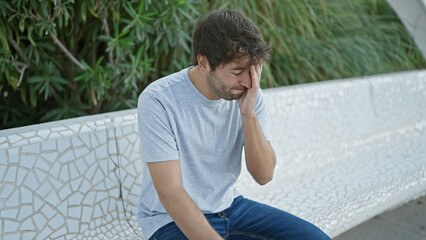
[(62, 59)]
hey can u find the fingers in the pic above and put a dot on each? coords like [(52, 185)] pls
[(256, 72)]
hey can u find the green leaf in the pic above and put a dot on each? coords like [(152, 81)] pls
[(83, 10), (35, 79), (22, 24)]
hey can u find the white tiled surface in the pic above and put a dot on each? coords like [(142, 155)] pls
[(347, 150)]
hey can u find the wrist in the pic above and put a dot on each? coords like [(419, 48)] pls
[(248, 117)]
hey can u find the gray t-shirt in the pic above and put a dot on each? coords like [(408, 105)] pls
[(177, 122)]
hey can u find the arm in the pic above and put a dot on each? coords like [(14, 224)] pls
[(166, 177), (260, 156)]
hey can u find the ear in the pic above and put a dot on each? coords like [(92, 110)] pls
[(203, 63)]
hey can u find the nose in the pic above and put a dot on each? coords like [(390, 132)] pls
[(245, 79)]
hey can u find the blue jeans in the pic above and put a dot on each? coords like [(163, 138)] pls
[(250, 220)]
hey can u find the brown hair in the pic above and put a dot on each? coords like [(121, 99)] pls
[(224, 36)]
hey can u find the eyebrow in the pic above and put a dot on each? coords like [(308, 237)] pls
[(239, 68)]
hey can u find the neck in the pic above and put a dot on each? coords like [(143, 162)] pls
[(199, 79)]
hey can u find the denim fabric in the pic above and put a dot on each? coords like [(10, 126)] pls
[(248, 220)]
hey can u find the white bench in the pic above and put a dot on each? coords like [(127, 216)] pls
[(347, 150)]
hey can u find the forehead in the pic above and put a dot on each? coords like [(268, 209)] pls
[(240, 63)]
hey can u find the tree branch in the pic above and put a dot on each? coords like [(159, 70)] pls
[(105, 23), (65, 50), (19, 51), (21, 76)]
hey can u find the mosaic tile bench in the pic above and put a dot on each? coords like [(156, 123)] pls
[(347, 151)]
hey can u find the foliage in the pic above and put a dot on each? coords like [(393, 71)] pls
[(328, 39), (62, 59), (68, 58)]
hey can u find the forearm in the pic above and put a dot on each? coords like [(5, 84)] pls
[(260, 157), (187, 215)]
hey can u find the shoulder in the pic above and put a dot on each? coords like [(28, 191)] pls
[(164, 87)]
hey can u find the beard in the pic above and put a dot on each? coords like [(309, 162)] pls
[(221, 90)]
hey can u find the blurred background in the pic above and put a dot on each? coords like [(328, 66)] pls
[(70, 58)]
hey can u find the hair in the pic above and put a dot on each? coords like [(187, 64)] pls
[(224, 36)]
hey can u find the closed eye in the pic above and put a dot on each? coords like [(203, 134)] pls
[(236, 74)]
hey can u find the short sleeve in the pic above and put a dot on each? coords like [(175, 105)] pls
[(158, 143), (260, 109)]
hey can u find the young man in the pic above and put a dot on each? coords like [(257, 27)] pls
[(193, 125)]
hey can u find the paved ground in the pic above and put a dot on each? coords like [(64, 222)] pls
[(406, 223)]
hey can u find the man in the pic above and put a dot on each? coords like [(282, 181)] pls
[(193, 125)]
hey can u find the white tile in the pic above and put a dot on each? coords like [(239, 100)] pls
[(10, 175), (13, 201), (29, 235), (32, 148), (53, 198), (75, 212), (44, 189), (26, 196), (59, 234), (24, 212), (57, 221), (85, 129), (9, 213), (44, 233), (10, 226), (101, 136), (13, 155), (63, 208), (64, 173), (39, 220), (27, 161), (54, 171), (99, 176), (48, 145), (38, 203), (51, 157), (21, 175), (112, 147), (76, 142), (94, 141), (73, 225), (87, 214), (48, 211), (3, 159), (80, 152), (100, 195), (75, 199), (73, 171), (14, 138), (31, 182), (27, 225), (56, 183), (35, 140), (41, 164), (86, 139), (89, 199), (81, 165), (101, 152), (86, 186), (66, 157), (3, 169), (63, 144), (65, 192), (97, 214), (104, 165), (67, 133), (44, 133), (11, 236), (74, 127), (75, 184), (90, 158)]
